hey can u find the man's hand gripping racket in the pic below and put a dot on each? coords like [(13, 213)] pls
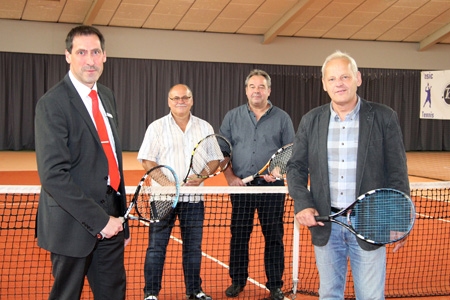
[(210, 157), (276, 166), (381, 216)]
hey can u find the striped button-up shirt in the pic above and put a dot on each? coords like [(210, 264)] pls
[(342, 157), (166, 144)]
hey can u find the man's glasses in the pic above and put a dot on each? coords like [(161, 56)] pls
[(184, 98)]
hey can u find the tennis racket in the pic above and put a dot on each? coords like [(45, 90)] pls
[(153, 202), (276, 165), (210, 157), (381, 216)]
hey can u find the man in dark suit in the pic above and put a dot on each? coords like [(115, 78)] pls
[(82, 195), (345, 148)]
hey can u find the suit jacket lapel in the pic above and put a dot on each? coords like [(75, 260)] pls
[(366, 119), (324, 120), (78, 103)]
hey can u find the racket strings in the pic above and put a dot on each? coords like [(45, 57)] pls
[(210, 156), (142, 206), (157, 194), (383, 216), (277, 166)]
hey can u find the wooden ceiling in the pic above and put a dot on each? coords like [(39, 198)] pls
[(426, 22)]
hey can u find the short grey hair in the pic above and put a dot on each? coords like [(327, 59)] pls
[(257, 72), (341, 55)]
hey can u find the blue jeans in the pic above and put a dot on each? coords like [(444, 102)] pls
[(368, 267), (191, 216)]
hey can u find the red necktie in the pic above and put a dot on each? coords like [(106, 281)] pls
[(114, 178)]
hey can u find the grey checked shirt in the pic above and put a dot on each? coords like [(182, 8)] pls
[(342, 157)]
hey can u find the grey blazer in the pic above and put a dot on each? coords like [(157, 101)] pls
[(381, 161), (73, 170)]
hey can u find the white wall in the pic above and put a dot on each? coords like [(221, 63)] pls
[(47, 38)]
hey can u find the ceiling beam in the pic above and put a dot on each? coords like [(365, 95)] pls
[(93, 12), (285, 20), (435, 37)]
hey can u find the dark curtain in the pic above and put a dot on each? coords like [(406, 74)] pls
[(400, 89), (141, 87)]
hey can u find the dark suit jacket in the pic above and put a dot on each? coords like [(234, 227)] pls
[(73, 170), (381, 161)]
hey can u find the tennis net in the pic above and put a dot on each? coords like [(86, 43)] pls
[(421, 268)]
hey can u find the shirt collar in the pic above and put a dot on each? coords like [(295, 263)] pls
[(351, 115), (82, 90), (172, 120), (268, 110)]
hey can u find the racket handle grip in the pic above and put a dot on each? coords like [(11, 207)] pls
[(248, 179), (322, 218)]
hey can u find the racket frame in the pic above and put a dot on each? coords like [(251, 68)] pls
[(133, 204), (260, 172), (348, 210), (219, 170)]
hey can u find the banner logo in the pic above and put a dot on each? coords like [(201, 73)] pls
[(435, 95)]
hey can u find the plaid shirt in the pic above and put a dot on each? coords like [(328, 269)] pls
[(342, 156)]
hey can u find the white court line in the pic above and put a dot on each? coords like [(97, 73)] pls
[(221, 263), (432, 218)]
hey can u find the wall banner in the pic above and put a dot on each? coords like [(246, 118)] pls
[(435, 95)]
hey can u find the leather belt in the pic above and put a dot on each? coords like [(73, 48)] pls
[(335, 210)]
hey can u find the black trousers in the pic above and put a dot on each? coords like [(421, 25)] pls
[(270, 209), (104, 268)]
